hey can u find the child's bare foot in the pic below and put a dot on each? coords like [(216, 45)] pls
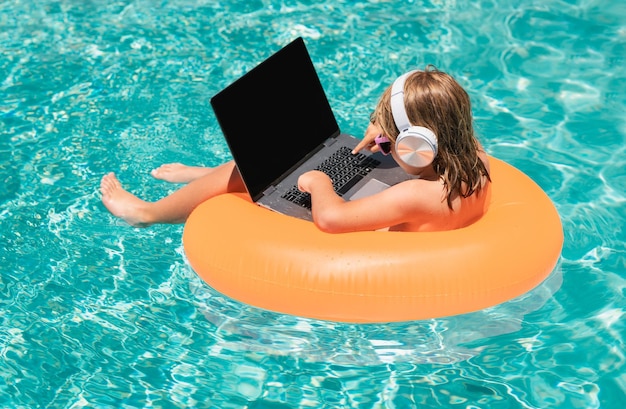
[(121, 203), (179, 173)]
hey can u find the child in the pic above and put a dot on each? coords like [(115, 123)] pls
[(448, 190)]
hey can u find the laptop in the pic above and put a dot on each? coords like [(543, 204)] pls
[(278, 124)]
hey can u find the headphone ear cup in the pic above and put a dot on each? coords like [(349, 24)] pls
[(416, 146)]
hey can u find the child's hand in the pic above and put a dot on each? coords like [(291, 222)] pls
[(308, 180), (372, 132)]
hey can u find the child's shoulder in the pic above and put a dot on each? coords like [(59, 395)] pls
[(424, 194)]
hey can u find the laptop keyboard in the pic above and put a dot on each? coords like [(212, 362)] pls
[(345, 170)]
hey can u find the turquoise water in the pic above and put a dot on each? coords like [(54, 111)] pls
[(98, 314)]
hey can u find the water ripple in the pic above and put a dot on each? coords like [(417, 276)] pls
[(100, 314)]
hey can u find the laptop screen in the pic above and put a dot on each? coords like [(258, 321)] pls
[(274, 116)]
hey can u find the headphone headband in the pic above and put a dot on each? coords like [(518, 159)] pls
[(397, 103)]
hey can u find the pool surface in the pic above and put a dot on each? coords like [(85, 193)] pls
[(99, 314)]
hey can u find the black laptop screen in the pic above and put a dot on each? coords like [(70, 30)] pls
[(274, 116)]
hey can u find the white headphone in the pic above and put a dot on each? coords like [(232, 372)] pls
[(415, 145)]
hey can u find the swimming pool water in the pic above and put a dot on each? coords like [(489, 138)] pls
[(99, 314)]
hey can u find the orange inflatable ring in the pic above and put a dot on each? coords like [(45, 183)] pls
[(287, 265)]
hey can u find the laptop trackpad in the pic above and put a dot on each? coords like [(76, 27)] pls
[(370, 188)]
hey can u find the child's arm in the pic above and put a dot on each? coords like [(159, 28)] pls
[(368, 139), (414, 201)]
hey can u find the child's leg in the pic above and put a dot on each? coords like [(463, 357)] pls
[(174, 208), (179, 173)]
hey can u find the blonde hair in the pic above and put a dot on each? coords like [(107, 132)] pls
[(433, 99)]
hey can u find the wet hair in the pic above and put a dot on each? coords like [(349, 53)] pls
[(433, 99)]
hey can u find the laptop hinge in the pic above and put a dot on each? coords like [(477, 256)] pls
[(269, 190), (330, 141)]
